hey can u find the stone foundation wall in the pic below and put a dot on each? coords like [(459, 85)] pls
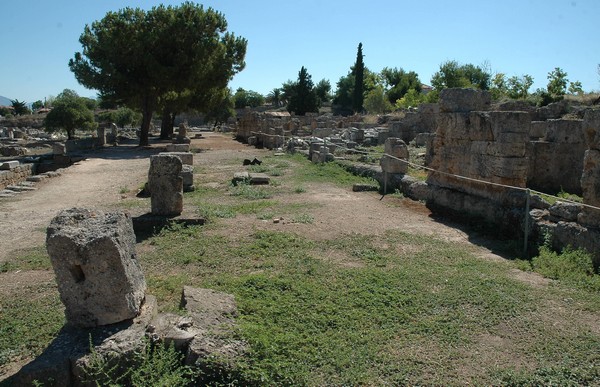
[(15, 175), (556, 161)]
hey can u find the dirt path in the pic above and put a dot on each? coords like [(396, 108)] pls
[(94, 182)]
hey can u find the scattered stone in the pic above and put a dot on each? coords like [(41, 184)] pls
[(93, 255), (20, 188), (187, 174)]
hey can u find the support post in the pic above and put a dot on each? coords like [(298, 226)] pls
[(526, 236)]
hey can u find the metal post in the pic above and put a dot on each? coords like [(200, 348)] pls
[(385, 179), (527, 193)]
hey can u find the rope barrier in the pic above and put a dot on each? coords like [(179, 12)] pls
[(471, 179)]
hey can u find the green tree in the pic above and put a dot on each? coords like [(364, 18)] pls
[(376, 101), (557, 83), (575, 88), (452, 74), (69, 112), (245, 98), (323, 90), (412, 98), (19, 107), (399, 82), (136, 57), (274, 97), (359, 79), (37, 105), (518, 87), (304, 98), (220, 108)]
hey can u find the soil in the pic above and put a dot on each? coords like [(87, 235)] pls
[(112, 174)]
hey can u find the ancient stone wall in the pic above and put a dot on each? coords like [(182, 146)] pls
[(15, 174), (556, 161)]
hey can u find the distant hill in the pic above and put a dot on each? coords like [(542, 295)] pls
[(5, 101)]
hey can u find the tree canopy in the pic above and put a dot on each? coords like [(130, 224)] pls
[(251, 98), (304, 96), (168, 55), (69, 112), (453, 74), (399, 82), (19, 107)]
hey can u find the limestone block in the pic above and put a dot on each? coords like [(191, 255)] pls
[(396, 148), (93, 255), (591, 128), (166, 184), (565, 211), (187, 174), (474, 126), (510, 122), (187, 158), (178, 147), (565, 131), (8, 165), (464, 100), (538, 129)]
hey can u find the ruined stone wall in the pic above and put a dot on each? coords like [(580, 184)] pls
[(15, 175), (556, 161)]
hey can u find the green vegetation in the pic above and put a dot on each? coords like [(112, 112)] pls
[(70, 112), (303, 98), (129, 56), (243, 98), (155, 365)]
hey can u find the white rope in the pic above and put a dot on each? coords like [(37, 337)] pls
[(471, 179)]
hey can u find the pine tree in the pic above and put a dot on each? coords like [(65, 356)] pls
[(304, 99)]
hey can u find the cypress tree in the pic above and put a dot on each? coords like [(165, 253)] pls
[(359, 82)]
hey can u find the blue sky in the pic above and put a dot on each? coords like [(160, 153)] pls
[(515, 37)]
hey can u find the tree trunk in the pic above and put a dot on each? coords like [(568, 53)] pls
[(166, 125), (146, 119)]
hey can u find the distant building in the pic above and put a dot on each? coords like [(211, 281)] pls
[(425, 89)]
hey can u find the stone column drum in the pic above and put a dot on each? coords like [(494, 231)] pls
[(166, 185), (93, 255)]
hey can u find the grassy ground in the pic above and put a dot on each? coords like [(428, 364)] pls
[(389, 308)]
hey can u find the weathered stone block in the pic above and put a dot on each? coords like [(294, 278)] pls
[(8, 165), (396, 148), (93, 255), (58, 148), (510, 122), (178, 147), (565, 131), (591, 128), (187, 174), (166, 184), (187, 158), (464, 100), (537, 130)]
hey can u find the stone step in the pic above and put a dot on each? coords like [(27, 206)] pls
[(37, 178), (5, 193), (20, 188)]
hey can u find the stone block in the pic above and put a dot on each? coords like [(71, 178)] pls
[(178, 147), (187, 158), (565, 131), (166, 184), (565, 211), (258, 179), (510, 122), (187, 174), (93, 255), (396, 148), (591, 128), (537, 130), (8, 165), (240, 177), (464, 100)]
